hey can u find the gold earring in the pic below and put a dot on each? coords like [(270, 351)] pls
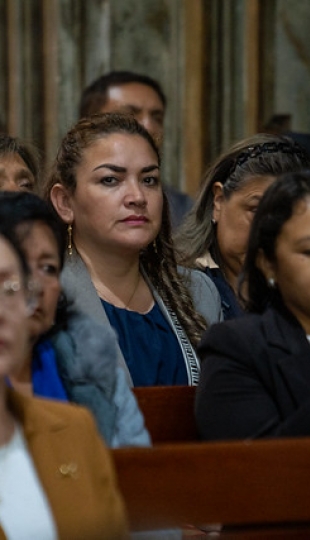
[(69, 247)]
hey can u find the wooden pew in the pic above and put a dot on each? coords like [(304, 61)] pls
[(257, 490), (168, 412)]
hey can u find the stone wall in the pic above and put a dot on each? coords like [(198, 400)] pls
[(199, 50), (292, 69)]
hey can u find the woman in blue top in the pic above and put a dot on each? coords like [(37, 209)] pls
[(69, 357), (121, 266)]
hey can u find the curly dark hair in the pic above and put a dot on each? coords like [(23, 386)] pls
[(158, 259)]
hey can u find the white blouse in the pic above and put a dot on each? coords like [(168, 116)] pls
[(24, 510)]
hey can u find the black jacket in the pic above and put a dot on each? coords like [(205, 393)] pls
[(255, 378)]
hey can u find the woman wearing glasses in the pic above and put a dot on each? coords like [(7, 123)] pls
[(50, 453), (69, 357)]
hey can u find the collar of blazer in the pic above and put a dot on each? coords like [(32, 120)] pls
[(82, 296), (284, 331), (34, 418), (290, 351)]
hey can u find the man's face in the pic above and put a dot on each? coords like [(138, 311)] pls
[(142, 102)]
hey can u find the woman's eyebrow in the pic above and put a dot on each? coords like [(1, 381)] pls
[(24, 172), (254, 198), (110, 166), (150, 168), (117, 168), (303, 239)]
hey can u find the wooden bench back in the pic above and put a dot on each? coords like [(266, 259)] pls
[(240, 484), (168, 412)]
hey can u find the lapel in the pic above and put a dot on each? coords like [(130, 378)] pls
[(191, 360), (74, 468), (290, 351), (29, 415), (47, 435), (53, 442), (80, 291), (79, 288), (43, 430)]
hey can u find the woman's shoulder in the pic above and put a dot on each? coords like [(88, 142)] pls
[(235, 336), (69, 412), (274, 324), (200, 278), (251, 322), (85, 352), (207, 300), (76, 281), (49, 414)]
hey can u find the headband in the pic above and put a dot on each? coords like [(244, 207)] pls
[(269, 148)]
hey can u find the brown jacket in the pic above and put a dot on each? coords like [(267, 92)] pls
[(74, 467)]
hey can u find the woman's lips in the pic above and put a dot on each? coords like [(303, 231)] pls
[(135, 219)]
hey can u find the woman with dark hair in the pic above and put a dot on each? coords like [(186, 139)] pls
[(214, 236), (69, 357), (255, 379), (52, 459), (121, 265)]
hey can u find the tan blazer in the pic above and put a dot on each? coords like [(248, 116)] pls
[(74, 467)]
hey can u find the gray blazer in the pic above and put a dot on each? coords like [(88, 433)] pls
[(81, 292)]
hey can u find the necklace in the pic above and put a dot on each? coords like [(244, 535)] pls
[(126, 305)]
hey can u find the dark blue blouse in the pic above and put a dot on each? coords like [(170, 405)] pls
[(149, 345)]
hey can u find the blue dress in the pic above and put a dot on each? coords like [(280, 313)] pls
[(149, 345)]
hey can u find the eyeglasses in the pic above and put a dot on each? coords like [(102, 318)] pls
[(11, 289)]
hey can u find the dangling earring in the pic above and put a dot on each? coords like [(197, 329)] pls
[(271, 283), (155, 246), (69, 247)]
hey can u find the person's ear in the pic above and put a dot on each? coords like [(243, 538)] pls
[(266, 266), (61, 201), (218, 198)]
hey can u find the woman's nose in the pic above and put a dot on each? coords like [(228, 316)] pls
[(135, 193)]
